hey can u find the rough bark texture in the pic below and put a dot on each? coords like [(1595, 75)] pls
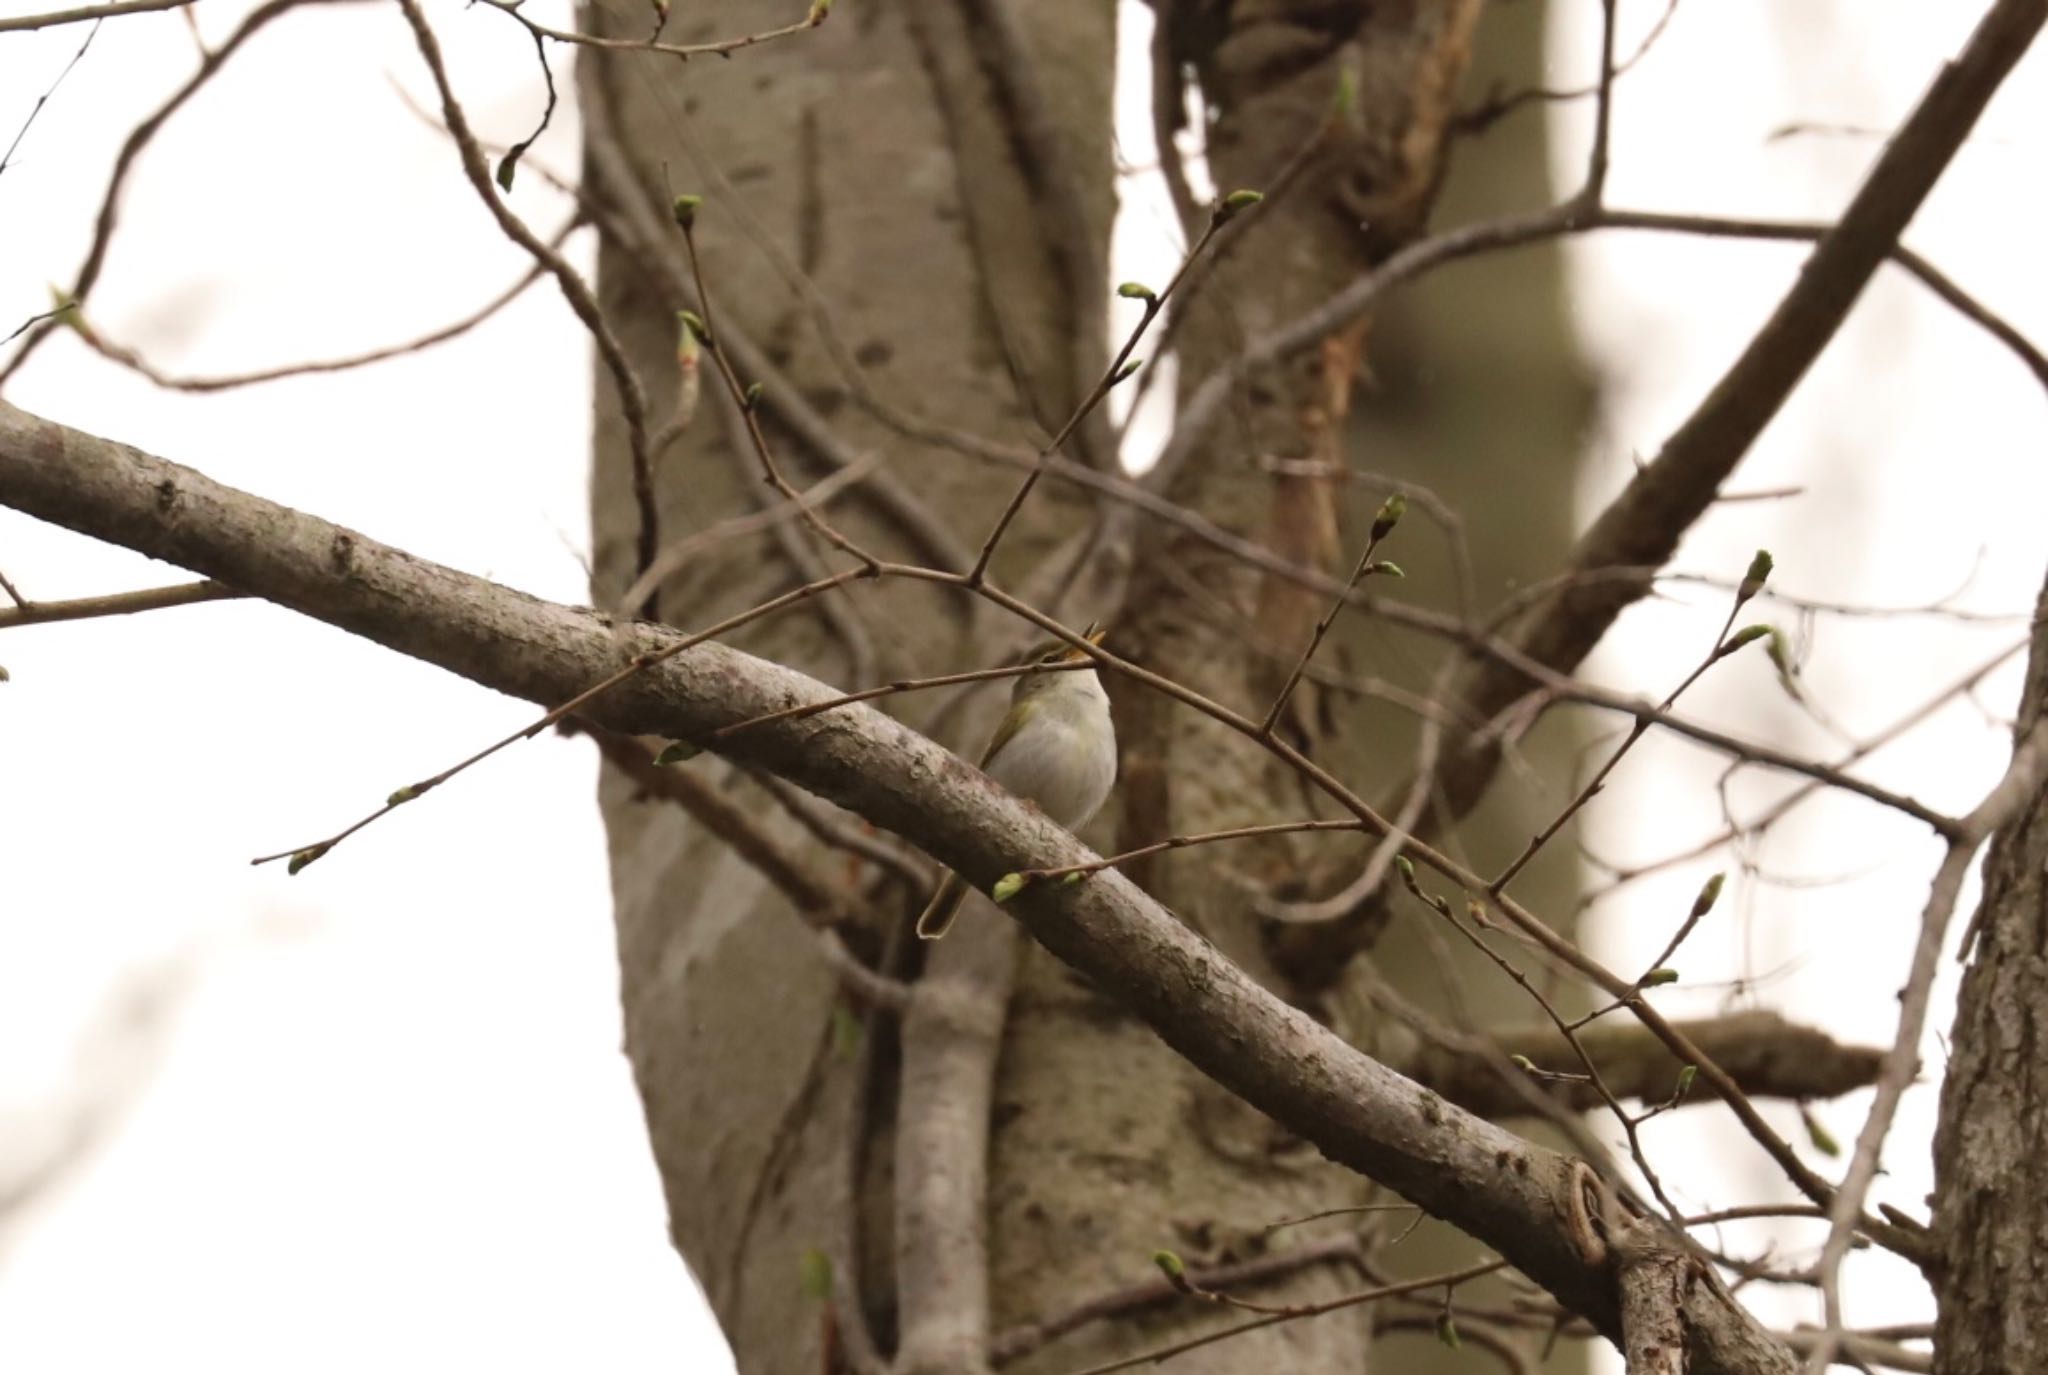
[(1991, 1149)]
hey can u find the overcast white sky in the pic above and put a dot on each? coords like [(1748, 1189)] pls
[(378, 1114)]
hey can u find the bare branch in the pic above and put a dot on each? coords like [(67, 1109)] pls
[(1015, 1343), (116, 604), (7, 157), (1114, 373), (638, 229), (632, 394), (1501, 1189), (1372, 1295), (124, 163), (724, 47), (1642, 526), (1767, 1055), (86, 14), (133, 360)]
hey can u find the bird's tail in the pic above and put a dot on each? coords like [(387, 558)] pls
[(937, 918)]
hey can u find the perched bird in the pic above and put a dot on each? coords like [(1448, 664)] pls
[(1055, 747)]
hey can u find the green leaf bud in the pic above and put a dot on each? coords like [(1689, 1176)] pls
[(306, 856), (1749, 634), (814, 1273), (1753, 581), (1390, 513), (1235, 204)]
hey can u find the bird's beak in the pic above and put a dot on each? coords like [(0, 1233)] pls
[(1093, 636)]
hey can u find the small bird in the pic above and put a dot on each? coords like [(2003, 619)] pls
[(1055, 747)]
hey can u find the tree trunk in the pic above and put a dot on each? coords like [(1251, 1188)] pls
[(1991, 1146), (899, 156)]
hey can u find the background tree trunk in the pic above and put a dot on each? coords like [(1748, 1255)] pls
[(886, 155)]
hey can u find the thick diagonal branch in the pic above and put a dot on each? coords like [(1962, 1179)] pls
[(1642, 527), (1496, 1186)]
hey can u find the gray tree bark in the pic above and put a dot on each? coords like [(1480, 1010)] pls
[(1991, 1147), (899, 156)]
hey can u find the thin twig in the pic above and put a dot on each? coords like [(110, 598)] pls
[(7, 157), (814, 16), (129, 358), (749, 413), (632, 394), (1111, 375), (1015, 1343), (638, 228), (1384, 1291), (807, 812), (131, 149), (116, 604), (1714, 655), (1075, 872), (679, 555), (1382, 524), (1595, 189), (810, 709)]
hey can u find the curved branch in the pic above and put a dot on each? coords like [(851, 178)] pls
[(1642, 526)]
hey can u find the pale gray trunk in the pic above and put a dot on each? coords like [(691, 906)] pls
[(878, 154)]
